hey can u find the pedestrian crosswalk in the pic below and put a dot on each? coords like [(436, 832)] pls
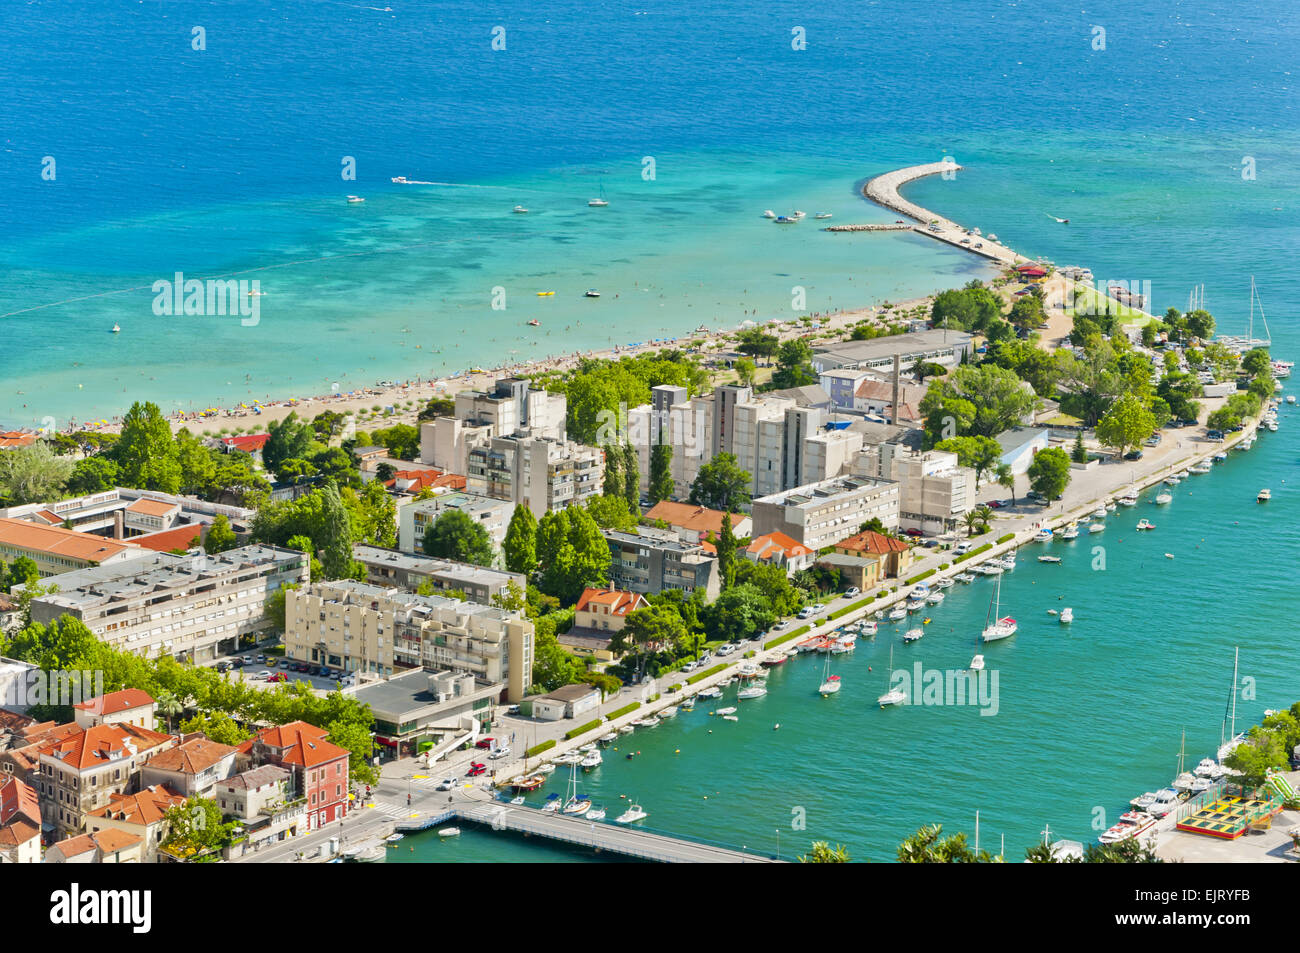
[(395, 811)]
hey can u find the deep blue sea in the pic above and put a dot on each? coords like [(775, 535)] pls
[(1172, 147)]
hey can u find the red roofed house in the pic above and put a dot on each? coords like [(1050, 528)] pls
[(130, 706), (694, 523), (251, 444), (82, 771), (165, 541), (13, 439), (896, 553), (192, 768), (141, 815), (1032, 272), (102, 847), (411, 482), (319, 768), (20, 823), (778, 549), (599, 615)]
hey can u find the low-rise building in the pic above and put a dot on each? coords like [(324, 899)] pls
[(191, 607), (130, 706), (818, 514), (599, 615), (20, 823), (389, 567), (358, 627), (861, 571), (1020, 445), (415, 517), (894, 554), (319, 769), (56, 550), (106, 846), (142, 815), (191, 768), (695, 523), (651, 561), (264, 803), (935, 347), (778, 549), (568, 701), (416, 710)]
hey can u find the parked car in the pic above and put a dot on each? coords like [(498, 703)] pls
[(1133, 455), (805, 613), (262, 657), (278, 678), (776, 627), (727, 649), (499, 754), (852, 591), (512, 710), (818, 607), (247, 660), (223, 666), (484, 743), (263, 674), (476, 769), (446, 784), (689, 667), (913, 532), (963, 547)]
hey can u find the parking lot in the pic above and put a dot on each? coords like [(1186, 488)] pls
[(256, 667)]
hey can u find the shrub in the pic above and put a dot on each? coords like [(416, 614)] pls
[(918, 578), (622, 711), (583, 729), (943, 566), (973, 552), (539, 748), (691, 680), (782, 639), (1003, 539)]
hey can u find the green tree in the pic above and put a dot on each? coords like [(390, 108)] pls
[(33, 474), (457, 535), (722, 484), (1049, 473), (289, 439), (614, 484), (220, 537), (823, 853), (1006, 478), (169, 706), (981, 454), (195, 827), (757, 343), (631, 477), (745, 371), (726, 546), (1126, 425), (197, 462), (145, 453), (794, 365), (92, 475), (520, 543), (928, 846), (613, 512), (1256, 361), (23, 571), (356, 739), (1078, 454), (661, 473), (655, 628), (336, 533)]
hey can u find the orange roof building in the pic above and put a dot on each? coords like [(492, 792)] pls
[(695, 523), (130, 705), (894, 554), (778, 549), (13, 439), (106, 847), (192, 768), (141, 815), (57, 550), (319, 768)]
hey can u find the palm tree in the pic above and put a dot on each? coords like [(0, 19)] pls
[(971, 520), (1006, 479), (824, 853), (169, 706)]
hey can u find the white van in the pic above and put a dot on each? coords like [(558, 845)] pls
[(965, 546)]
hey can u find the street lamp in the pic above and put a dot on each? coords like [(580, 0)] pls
[(778, 843)]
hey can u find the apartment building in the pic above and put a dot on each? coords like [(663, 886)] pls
[(318, 769), (266, 805), (192, 768), (539, 472), (141, 815), (686, 426), (819, 514), (512, 406), (80, 772), (192, 607), (124, 513), (56, 550), (651, 561), (415, 517), (934, 491), (398, 570), (358, 627)]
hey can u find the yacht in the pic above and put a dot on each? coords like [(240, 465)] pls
[(355, 200), (1049, 559), (520, 210), (913, 635), (830, 683), (998, 628), (892, 696), (897, 614), (1200, 785), (823, 215), (1043, 535), (1067, 615), (593, 759), (977, 663), (1145, 524), (965, 577), (596, 814), (753, 691), (633, 813), (1183, 783), (944, 583), (1264, 496), (729, 710), (768, 213), (868, 627), (1143, 801), (1128, 830), (600, 202), (1096, 527), (1163, 498), (591, 293), (1209, 768), (1166, 800), (934, 598)]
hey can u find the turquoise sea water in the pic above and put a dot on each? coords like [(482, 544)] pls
[(226, 162)]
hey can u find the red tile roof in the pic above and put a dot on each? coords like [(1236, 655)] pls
[(776, 544), (18, 800), (12, 439), (193, 757), (103, 743), (874, 543), (144, 808), (115, 702), (19, 832), (181, 537), (57, 541), (698, 518), (153, 507), (431, 479), (301, 744), (249, 443), (619, 602)]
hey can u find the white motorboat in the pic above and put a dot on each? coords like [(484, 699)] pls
[(668, 712), (730, 718), (519, 799), (633, 813), (934, 598), (1209, 768), (597, 203), (596, 814), (1183, 783), (1173, 480), (626, 729), (611, 737), (944, 583), (1128, 501), (1201, 785), (990, 569), (1143, 801), (1071, 532), (1166, 800), (977, 663), (1067, 615), (897, 614), (1127, 830), (1145, 524), (768, 213), (965, 577), (915, 605), (1264, 496), (797, 215), (449, 832), (823, 215), (1097, 528), (520, 210), (1049, 559), (355, 200), (729, 710), (116, 329), (998, 628), (545, 769), (867, 627), (913, 635), (1219, 457), (1099, 513), (1043, 535), (593, 759), (753, 691)]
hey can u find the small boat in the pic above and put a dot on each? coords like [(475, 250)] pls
[(977, 663), (753, 691), (1145, 524), (1097, 528), (597, 203), (546, 294), (730, 718), (894, 696), (730, 710), (398, 180), (593, 759), (1052, 612), (1200, 785), (668, 712), (768, 213), (1183, 784), (1067, 615), (1173, 480), (1127, 501), (394, 838), (944, 583), (518, 799), (1099, 513), (116, 330), (591, 293), (1043, 535), (1127, 830), (995, 628), (1143, 801), (545, 769), (611, 737), (520, 210), (1049, 559), (1163, 498), (785, 220), (1264, 496), (796, 215), (1219, 457), (830, 686), (1290, 398), (897, 614), (534, 323), (822, 215), (711, 693), (868, 627), (632, 814), (449, 832), (934, 598), (965, 577), (1209, 768), (626, 730), (596, 814), (915, 605), (355, 200), (913, 635)]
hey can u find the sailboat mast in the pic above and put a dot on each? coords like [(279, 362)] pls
[(1232, 730)]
